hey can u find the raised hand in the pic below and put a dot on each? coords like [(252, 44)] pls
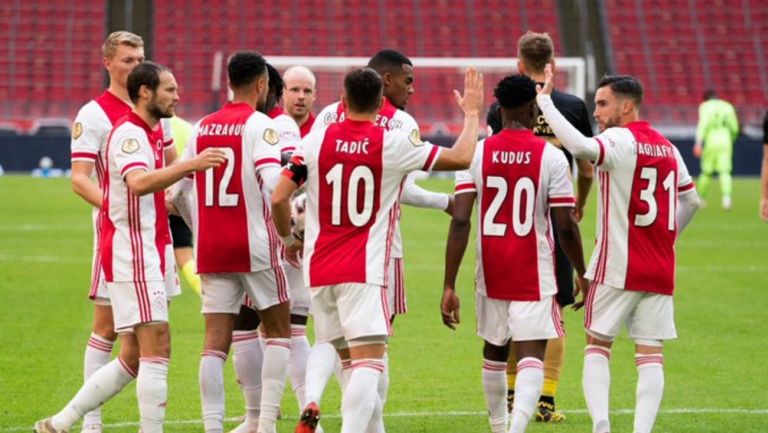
[(471, 102), (549, 82)]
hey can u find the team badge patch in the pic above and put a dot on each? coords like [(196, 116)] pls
[(415, 138), (270, 136), (130, 145), (77, 130)]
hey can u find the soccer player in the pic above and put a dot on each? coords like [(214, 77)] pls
[(396, 71), (764, 172), (354, 170), (122, 52), (135, 252), (247, 345), (646, 199), (535, 51), (300, 93), (518, 180), (717, 129)]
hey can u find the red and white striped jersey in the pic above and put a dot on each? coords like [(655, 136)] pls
[(231, 215), (287, 129), (640, 174), (518, 177), (135, 229), (390, 118), (354, 173)]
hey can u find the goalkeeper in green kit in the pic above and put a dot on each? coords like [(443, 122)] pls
[(718, 128)]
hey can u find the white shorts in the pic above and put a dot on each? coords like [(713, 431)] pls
[(134, 303), (224, 292), (349, 311), (297, 290), (99, 283), (499, 320), (398, 303), (649, 316)]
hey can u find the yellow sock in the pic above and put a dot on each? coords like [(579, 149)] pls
[(553, 363), (511, 370), (189, 276)]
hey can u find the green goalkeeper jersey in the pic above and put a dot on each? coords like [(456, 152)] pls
[(718, 125)]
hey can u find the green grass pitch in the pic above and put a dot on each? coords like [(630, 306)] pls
[(716, 379)]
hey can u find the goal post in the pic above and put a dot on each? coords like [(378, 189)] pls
[(432, 104)]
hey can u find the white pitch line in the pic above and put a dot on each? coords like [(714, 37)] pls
[(457, 414)]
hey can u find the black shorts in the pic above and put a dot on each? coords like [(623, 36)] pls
[(182, 235), (563, 273)]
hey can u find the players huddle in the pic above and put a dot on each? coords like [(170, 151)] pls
[(293, 215)]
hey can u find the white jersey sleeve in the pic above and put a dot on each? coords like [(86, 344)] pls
[(167, 133), (262, 134), (468, 180), (684, 180), (615, 145), (132, 150), (326, 117), (412, 153), (560, 187), (89, 132), (289, 133)]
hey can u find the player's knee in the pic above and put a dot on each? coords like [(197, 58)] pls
[(597, 339), (493, 352), (372, 346), (647, 346)]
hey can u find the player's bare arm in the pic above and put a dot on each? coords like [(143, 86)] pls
[(458, 236), (583, 185), (83, 185), (146, 182), (573, 140), (281, 212), (569, 236), (471, 102)]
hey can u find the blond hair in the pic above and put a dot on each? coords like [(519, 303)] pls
[(120, 38), (535, 50)]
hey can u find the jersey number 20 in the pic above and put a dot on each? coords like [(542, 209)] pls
[(522, 197)]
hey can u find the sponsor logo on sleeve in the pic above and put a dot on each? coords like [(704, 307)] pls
[(415, 138), (271, 136), (77, 130), (130, 145)]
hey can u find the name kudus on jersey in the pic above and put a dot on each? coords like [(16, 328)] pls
[(510, 157)]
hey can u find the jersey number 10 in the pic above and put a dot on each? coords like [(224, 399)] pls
[(359, 174)]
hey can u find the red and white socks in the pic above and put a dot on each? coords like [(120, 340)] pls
[(530, 378), (596, 382), (297, 364), (273, 374), (650, 388), (152, 393), (248, 359), (495, 390), (100, 387), (212, 390), (361, 394), (97, 354)]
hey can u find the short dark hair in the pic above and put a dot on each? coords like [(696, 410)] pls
[(245, 67), (535, 50), (710, 94), (515, 90), (276, 83), (626, 85), (145, 74), (363, 89), (388, 61)]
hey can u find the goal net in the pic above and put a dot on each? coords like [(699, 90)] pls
[(432, 104)]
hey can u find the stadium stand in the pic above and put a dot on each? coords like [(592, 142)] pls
[(680, 52)]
